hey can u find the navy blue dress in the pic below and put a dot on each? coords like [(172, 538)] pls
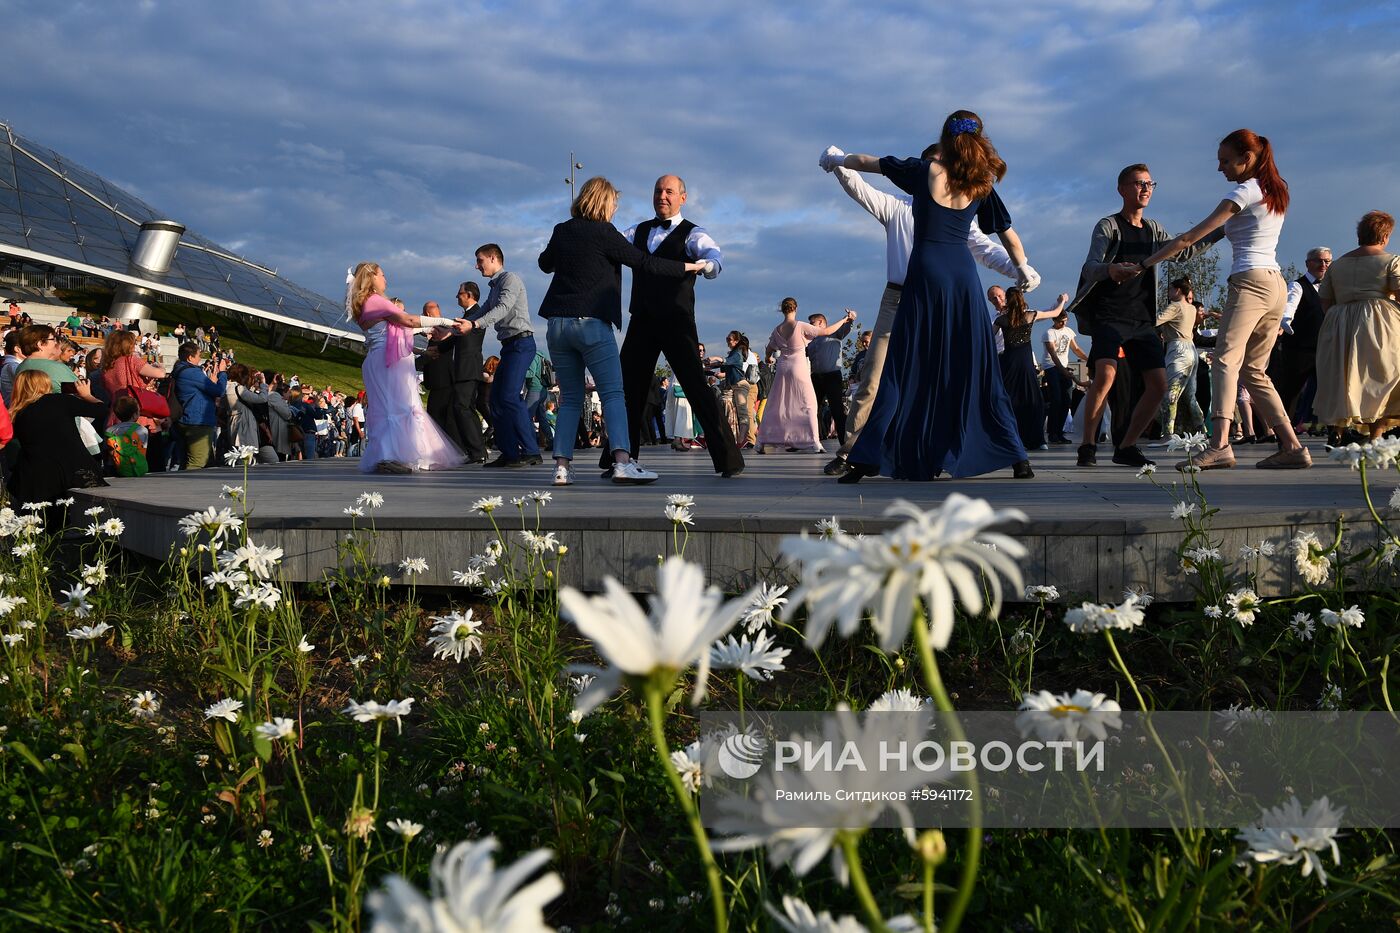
[(942, 406)]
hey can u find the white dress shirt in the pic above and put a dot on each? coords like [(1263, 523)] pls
[(699, 246), (1295, 295), (896, 213)]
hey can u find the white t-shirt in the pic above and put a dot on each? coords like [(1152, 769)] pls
[(1059, 338), (357, 413), (1253, 232)]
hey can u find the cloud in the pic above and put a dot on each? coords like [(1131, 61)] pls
[(319, 133)]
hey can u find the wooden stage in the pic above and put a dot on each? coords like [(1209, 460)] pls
[(1090, 532)]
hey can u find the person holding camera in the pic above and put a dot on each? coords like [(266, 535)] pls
[(197, 389)]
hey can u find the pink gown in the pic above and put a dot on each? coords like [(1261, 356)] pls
[(790, 414), (397, 424)]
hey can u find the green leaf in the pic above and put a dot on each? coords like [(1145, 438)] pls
[(30, 757), (77, 751)]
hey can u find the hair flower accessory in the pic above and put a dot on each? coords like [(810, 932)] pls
[(962, 125)]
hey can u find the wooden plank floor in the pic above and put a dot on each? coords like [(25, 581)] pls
[(1089, 531)]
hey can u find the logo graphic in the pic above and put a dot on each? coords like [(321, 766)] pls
[(741, 755)]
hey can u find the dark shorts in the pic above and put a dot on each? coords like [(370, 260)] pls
[(1141, 346)]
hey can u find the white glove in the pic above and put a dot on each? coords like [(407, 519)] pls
[(831, 159), (1027, 278)]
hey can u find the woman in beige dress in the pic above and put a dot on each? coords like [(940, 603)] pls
[(1358, 347)]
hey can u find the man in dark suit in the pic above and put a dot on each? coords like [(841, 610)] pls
[(452, 374), (663, 322)]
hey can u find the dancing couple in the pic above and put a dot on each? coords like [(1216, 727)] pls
[(942, 406)]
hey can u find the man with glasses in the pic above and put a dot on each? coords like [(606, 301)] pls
[(1116, 305)]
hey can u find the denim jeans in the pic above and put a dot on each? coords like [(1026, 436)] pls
[(515, 435), (576, 344)]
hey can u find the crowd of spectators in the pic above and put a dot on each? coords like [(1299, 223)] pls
[(116, 411)]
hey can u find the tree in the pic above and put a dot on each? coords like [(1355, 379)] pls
[(1203, 270)]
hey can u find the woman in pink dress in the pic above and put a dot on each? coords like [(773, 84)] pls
[(790, 414), (399, 435)]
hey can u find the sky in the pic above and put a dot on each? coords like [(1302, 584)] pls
[(311, 135)]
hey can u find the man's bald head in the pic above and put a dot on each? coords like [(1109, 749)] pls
[(668, 196)]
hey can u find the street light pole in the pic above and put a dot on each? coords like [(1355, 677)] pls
[(570, 180)]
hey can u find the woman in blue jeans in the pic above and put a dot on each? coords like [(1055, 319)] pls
[(583, 306)]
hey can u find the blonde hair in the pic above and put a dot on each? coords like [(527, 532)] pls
[(597, 200), (30, 385), (363, 287)]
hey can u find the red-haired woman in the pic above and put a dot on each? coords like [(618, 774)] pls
[(1252, 215), (941, 406)]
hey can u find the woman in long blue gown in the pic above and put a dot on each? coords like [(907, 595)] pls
[(942, 406)]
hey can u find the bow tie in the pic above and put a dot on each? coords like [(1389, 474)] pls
[(665, 224)]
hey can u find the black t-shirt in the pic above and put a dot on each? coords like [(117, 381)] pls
[(1130, 302)]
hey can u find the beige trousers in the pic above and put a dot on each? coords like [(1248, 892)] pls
[(1248, 328), (864, 398)]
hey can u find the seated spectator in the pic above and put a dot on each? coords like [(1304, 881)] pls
[(128, 439), (53, 457), (41, 347)]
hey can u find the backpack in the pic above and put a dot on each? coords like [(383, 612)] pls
[(127, 453), (548, 379), (172, 397)]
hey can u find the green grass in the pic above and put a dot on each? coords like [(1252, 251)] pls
[(299, 355)]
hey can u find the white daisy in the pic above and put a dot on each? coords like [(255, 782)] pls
[(1067, 717), (1289, 835), (454, 636), (224, 709)]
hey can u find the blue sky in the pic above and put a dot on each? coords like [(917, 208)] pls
[(311, 135)]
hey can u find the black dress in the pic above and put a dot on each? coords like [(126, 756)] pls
[(1022, 381), (52, 458)]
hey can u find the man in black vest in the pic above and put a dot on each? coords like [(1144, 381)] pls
[(1296, 358), (436, 368), (663, 322), (452, 373)]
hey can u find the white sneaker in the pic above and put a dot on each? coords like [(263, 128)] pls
[(563, 476), (631, 473)]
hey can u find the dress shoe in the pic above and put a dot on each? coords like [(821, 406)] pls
[(501, 461), (1023, 470), (836, 467), (855, 472), (731, 473), (532, 460)]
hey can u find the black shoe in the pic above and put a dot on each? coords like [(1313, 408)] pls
[(1060, 441), (730, 474), (518, 463), (1088, 455), (1131, 456), (531, 460), (501, 461), (836, 467), (1023, 470), (855, 472)]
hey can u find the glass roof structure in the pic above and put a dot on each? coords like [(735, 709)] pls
[(55, 212)]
